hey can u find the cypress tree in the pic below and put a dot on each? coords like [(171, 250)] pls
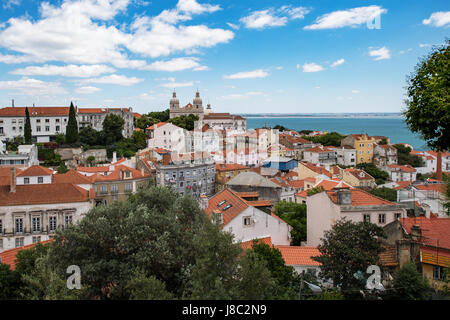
[(27, 127), (72, 126)]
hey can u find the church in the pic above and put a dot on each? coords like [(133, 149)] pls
[(196, 107)]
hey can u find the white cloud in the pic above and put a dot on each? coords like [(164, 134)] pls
[(177, 84), (337, 63), (424, 45), (355, 91), (248, 75), (239, 96), (233, 26), (279, 68), (177, 64), (78, 32), (298, 66), (312, 67), (83, 71), (380, 54), (273, 17), (10, 3), (438, 19), (86, 90), (346, 18), (33, 87), (115, 79)]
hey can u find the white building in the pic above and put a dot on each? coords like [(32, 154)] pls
[(94, 117), (320, 155), (225, 121), (25, 156), (345, 155), (33, 205), (244, 221), (327, 207), (430, 160), (168, 136), (401, 172)]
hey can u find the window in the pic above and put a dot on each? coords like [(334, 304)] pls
[(382, 218), (38, 120), (36, 224), (57, 120), (57, 128), (47, 120), (40, 179), (128, 187), (19, 242), (438, 273), (103, 189), (1, 244), (1, 226), (26, 180), (36, 239), (247, 221), (47, 128), (68, 220), (1, 130), (19, 225), (14, 128), (114, 188), (38, 129), (52, 223)]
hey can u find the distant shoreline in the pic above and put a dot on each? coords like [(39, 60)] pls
[(322, 115)]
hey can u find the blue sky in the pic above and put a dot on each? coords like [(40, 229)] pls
[(253, 56)]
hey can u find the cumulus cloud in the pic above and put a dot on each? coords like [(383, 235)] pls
[(438, 19), (33, 87), (337, 63), (120, 80), (177, 84), (247, 75), (273, 17), (78, 32), (83, 71), (312, 67), (86, 90), (380, 54), (177, 64), (346, 18), (239, 96)]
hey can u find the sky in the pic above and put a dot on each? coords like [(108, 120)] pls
[(252, 56)]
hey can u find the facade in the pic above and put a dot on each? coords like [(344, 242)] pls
[(225, 121), (345, 155), (358, 178), (431, 194), (430, 160), (168, 136), (236, 216), (94, 117), (25, 156), (323, 156), (295, 143), (327, 207), (115, 182), (310, 170), (384, 154), (192, 172), (363, 144), (34, 204), (195, 108), (401, 172), (224, 172)]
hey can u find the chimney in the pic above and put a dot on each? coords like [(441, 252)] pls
[(416, 232), (114, 159), (13, 180), (344, 196)]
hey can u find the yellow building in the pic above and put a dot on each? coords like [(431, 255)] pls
[(309, 170), (363, 144), (358, 178), (226, 171)]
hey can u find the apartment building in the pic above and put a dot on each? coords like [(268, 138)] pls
[(363, 144)]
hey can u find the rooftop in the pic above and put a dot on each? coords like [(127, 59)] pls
[(299, 255)]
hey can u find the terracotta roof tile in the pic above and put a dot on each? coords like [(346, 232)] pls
[(226, 197), (388, 258), (259, 203), (359, 174), (404, 168), (361, 198), (249, 244), (433, 230), (300, 256), (71, 176), (230, 167), (35, 171), (316, 169), (34, 111), (9, 256)]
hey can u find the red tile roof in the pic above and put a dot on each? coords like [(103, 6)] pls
[(43, 194), (9, 256), (433, 230), (156, 125), (249, 244), (34, 111), (438, 187), (259, 203), (34, 171), (388, 258), (359, 174), (119, 174), (361, 198), (404, 168), (71, 176), (137, 115), (315, 168), (93, 169), (297, 184), (331, 184), (249, 194), (402, 184), (92, 110), (299, 256), (230, 167), (319, 149), (231, 198)]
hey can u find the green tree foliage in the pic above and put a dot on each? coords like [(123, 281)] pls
[(72, 126), (281, 128), (112, 128), (185, 122), (47, 154), (167, 238), (13, 145), (428, 101), (60, 138), (313, 191), (385, 193), (286, 282), (62, 168), (90, 160), (161, 116), (347, 248), (27, 128), (405, 157), (380, 175), (295, 215), (329, 139), (90, 136), (145, 121), (9, 283), (328, 295), (409, 284), (139, 139)]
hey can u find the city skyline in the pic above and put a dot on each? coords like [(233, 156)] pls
[(249, 57)]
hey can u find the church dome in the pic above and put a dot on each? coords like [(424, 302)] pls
[(197, 101), (174, 102)]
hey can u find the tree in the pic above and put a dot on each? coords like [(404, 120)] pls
[(295, 215), (112, 127), (346, 249), (313, 191), (62, 168), (185, 122), (139, 139), (72, 126), (405, 157), (385, 193), (60, 138), (90, 136), (90, 160), (329, 139), (428, 101), (286, 282), (27, 128), (143, 287), (379, 175), (281, 128), (146, 121), (9, 283), (409, 284)]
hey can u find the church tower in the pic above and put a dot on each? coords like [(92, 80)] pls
[(174, 102), (198, 103)]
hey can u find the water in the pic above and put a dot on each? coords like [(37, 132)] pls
[(392, 127)]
